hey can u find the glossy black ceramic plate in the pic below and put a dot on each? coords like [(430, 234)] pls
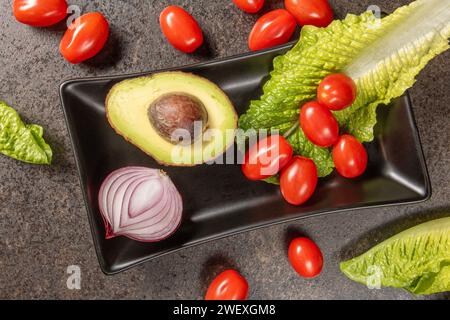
[(219, 201)]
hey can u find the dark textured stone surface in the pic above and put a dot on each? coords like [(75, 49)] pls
[(43, 223)]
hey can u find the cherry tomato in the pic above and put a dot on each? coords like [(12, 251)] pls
[(272, 29), (298, 180), (229, 285), (85, 37), (310, 12), (267, 157), (319, 124), (250, 6), (305, 257), (40, 13), (337, 91), (181, 29), (349, 156)]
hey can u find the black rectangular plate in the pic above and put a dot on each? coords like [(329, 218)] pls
[(218, 200)]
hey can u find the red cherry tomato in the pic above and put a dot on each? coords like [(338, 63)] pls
[(337, 91), (181, 29), (229, 285), (85, 37), (40, 13), (305, 257), (319, 124), (298, 180), (250, 6), (272, 29), (310, 12), (267, 157), (349, 156)]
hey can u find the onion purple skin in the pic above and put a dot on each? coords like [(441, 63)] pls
[(172, 215), (110, 235)]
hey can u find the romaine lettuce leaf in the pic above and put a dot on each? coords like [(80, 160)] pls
[(20, 141), (417, 260), (383, 56)]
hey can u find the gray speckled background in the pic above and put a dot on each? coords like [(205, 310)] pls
[(43, 222)]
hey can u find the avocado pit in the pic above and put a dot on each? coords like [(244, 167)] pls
[(178, 111)]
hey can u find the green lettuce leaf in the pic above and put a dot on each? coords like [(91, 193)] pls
[(20, 141), (383, 56), (417, 260), (322, 157)]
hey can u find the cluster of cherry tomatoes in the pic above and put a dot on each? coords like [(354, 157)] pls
[(273, 28), (336, 92), (303, 254), (298, 175), (85, 36)]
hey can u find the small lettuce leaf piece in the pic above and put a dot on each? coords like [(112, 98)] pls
[(273, 179), (383, 56), (322, 157), (417, 260), (20, 141)]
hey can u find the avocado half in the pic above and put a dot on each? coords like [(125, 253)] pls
[(178, 118)]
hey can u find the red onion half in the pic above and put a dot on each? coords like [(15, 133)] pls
[(140, 203)]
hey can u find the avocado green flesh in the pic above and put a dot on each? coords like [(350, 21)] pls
[(127, 111)]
